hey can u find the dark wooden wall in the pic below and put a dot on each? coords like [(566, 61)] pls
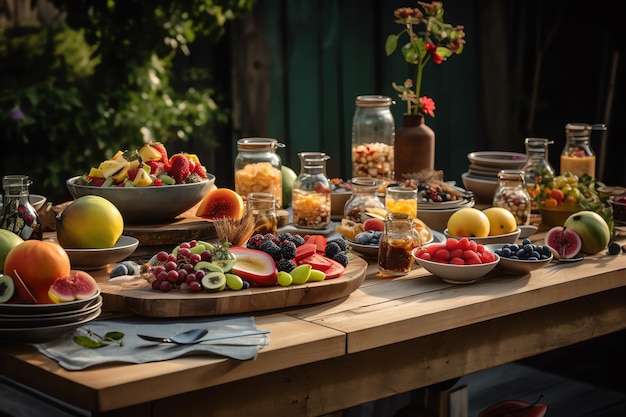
[(298, 66)]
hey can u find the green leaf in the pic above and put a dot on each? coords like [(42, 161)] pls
[(88, 342), (391, 44), (114, 335)]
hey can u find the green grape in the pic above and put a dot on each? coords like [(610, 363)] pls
[(284, 278)]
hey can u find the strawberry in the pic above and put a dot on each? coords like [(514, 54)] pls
[(132, 173), (200, 170), (159, 147), (156, 167), (179, 168)]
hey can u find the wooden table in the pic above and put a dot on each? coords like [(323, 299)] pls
[(389, 336)]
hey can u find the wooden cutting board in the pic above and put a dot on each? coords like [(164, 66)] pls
[(137, 297)]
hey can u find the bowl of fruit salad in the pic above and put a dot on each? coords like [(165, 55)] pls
[(146, 185)]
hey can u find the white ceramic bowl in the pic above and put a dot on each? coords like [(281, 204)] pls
[(437, 219), (37, 201), (148, 204), (505, 238), (517, 266), (497, 159), (92, 259), (482, 188), (457, 274)]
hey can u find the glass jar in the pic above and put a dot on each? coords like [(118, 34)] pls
[(262, 206), (397, 242), (512, 195), (537, 169), (258, 168), (373, 135), (578, 157), (401, 199), (18, 215), (364, 197), (310, 200)]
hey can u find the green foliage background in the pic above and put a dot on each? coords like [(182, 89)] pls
[(94, 77)]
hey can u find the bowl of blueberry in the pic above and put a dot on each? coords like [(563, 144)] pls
[(521, 258)]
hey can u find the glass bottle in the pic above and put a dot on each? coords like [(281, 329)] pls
[(364, 197), (397, 242), (258, 168), (512, 194), (578, 157), (311, 192), (373, 136), (18, 215), (262, 206), (537, 169)]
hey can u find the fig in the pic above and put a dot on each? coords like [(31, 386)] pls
[(7, 288), (78, 285), (374, 224), (514, 408), (566, 242), (221, 203)]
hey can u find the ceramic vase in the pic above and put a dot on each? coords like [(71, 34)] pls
[(414, 147)]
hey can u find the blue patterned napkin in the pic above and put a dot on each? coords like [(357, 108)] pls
[(73, 356)]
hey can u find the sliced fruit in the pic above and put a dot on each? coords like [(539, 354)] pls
[(213, 281), (255, 266), (319, 241), (335, 270), (225, 264), (233, 282), (78, 285), (305, 250), (221, 203), (592, 229), (317, 261), (208, 267), (7, 288), (149, 153), (142, 179), (301, 273), (115, 168), (317, 275), (374, 225), (566, 242)]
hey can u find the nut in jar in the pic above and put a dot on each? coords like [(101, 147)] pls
[(512, 194)]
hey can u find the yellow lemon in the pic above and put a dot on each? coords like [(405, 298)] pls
[(501, 221), (89, 222), (468, 222)]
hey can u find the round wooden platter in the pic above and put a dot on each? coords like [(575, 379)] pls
[(137, 297)]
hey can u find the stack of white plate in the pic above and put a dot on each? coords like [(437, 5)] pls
[(36, 323), (436, 215), (482, 175)]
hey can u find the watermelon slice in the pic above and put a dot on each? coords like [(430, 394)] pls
[(304, 251), (333, 271), (317, 261)]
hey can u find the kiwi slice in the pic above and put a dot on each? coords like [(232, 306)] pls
[(214, 281), (7, 288)]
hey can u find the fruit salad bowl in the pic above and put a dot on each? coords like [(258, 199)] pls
[(151, 204)]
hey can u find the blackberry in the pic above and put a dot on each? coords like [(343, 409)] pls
[(332, 249), (341, 242), (255, 241), (268, 246), (287, 249), (342, 258), (286, 265), (296, 239)]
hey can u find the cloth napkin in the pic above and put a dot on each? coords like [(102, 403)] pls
[(73, 356)]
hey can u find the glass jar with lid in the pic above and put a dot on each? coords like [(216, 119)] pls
[(397, 242), (537, 169), (258, 168), (578, 157), (18, 215), (512, 194), (364, 198), (310, 201), (373, 135)]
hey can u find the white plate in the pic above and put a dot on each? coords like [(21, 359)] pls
[(53, 320), (511, 160), (90, 259), (47, 309)]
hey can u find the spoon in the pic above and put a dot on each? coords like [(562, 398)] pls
[(184, 338), (188, 337)]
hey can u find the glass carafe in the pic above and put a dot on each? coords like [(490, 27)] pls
[(397, 242), (578, 156), (18, 215), (311, 192), (537, 169)]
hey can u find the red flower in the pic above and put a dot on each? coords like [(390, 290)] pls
[(427, 105)]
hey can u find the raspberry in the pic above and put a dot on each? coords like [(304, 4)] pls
[(332, 249), (342, 258), (286, 265), (287, 249)]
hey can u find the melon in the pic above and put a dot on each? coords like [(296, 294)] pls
[(221, 203), (592, 229)]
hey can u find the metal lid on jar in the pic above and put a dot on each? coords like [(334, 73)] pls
[(373, 101), (258, 144)]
